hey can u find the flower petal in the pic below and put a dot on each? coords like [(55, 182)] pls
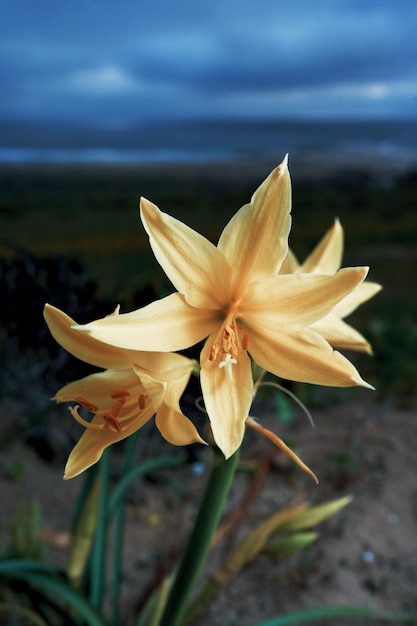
[(297, 299), (83, 347), (168, 324), (194, 265), (282, 445), (227, 398), (176, 428), (290, 264), (360, 294), (98, 388), (91, 350), (93, 442), (326, 257), (302, 356), (341, 335), (255, 241)]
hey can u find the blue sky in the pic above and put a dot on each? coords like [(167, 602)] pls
[(110, 63)]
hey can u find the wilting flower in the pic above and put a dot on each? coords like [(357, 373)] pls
[(232, 294), (133, 387), (326, 258)]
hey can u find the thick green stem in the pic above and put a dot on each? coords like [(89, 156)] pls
[(118, 532), (98, 563), (200, 540)]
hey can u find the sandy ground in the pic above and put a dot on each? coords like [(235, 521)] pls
[(367, 555)]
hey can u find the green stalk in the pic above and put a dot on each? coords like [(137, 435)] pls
[(118, 532), (197, 549), (98, 562)]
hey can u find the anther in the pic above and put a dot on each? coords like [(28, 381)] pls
[(245, 342), (112, 423), (214, 352), (229, 341), (142, 401), (90, 406), (122, 393)]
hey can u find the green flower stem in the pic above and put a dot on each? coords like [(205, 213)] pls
[(118, 531), (98, 562), (196, 552)]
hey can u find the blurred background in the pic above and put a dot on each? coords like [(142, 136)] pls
[(186, 81), (191, 104)]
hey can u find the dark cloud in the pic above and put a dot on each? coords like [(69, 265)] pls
[(184, 57)]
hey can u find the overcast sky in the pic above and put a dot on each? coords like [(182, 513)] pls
[(110, 63)]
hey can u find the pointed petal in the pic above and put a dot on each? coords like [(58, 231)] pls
[(93, 442), (361, 294), (82, 346), (169, 389), (290, 264), (177, 380), (341, 335), (169, 324), (227, 398), (303, 356), (154, 389), (297, 299), (326, 257), (176, 428), (90, 350), (282, 445), (98, 388), (194, 265), (255, 241)]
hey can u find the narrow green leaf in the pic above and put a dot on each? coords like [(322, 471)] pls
[(82, 537), (314, 515), (55, 586), (140, 470), (284, 547), (329, 612), (26, 614)]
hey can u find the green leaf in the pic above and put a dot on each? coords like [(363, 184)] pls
[(330, 612), (53, 586), (314, 515), (284, 547)]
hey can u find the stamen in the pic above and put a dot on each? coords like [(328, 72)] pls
[(109, 418), (229, 341), (142, 401), (90, 406), (112, 423), (245, 342), (122, 393), (227, 364), (74, 412), (214, 351), (115, 410)]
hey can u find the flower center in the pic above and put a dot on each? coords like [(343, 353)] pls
[(110, 417), (227, 350)]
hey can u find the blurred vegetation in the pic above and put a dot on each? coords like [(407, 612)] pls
[(72, 236)]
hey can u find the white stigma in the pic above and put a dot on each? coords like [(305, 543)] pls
[(227, 364)]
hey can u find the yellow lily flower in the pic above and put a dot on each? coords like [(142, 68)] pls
[(134, 387), (326, 258), (231, 294)]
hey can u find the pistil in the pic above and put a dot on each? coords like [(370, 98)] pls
[(228, 349)]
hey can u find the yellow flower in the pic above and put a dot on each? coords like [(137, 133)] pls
[(134, 386), (231, 294), (326, 258)]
